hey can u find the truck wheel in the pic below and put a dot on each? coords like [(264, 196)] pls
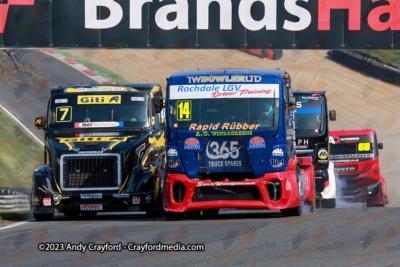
[(211, 213), (72, 214), (375, 205), (296, 211), (88, 215), (43, 216), (154, 212), (328, 203), (174, 216), (193, 214)]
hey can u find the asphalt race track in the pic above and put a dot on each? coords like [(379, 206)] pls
[(346, 236), (341, 237)]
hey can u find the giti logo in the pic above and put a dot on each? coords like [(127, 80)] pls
[(99, 99), (4, 10), (323, 154)]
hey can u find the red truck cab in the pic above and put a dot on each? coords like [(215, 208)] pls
[(355, 154)]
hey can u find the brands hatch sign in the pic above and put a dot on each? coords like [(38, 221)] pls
[(224, 24)]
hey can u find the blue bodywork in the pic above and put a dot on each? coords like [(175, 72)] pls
[(192, 158)]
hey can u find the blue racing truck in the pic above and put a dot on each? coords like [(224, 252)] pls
[(231, 144)]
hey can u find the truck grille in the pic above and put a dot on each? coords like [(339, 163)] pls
[(353, 188), (86, 172)]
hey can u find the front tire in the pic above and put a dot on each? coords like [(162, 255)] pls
[(43, 216), (174, 216), (211, 213), (72, 214), (88, 215), (296, 211), (328, 203)]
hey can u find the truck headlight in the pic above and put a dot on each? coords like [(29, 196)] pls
[(56, 198)]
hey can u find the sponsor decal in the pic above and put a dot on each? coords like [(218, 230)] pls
[(215, 151), (174, 164), (172, 152), (225, 126), (302, 142), (47, 201), (345, 169), (124, 195), (58, 101), (137, 98), (97, 134), (99, 99), (257, 142), (201, 184), (350, 156), (323, 154), (278, 152), (175, 125), (206, 91), (231, 133), (90, 207), (225, 78), (91, 195), (192, 143), (288, 186), (136, 200), (277, 163), (101, 89), (105, 124), (323, 161)]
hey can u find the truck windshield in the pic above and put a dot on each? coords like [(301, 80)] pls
[(352, 148), (224, 114), (309, 116), (74, 111)]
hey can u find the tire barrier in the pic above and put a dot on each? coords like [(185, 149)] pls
[(366, 65), (11, 200)]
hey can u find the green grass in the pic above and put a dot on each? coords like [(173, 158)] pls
[(94, 67), (14, 215), (18, 155), (386, 56)]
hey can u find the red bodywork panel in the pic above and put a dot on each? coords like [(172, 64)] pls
[(289, 191), (360, 174)]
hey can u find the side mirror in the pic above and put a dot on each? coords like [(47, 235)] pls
[(292, 103), (380, 145), (40, 122), (332, 115), (158, 104)]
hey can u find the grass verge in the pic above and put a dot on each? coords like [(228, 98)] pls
[(18, 155), (10, 217), (94, 67), (385, 56)]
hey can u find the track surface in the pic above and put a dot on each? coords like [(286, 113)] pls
[(340, 237)]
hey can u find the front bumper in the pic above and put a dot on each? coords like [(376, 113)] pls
[(109, 202), (190, 199)]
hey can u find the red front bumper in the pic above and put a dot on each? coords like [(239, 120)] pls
[(289, 197)]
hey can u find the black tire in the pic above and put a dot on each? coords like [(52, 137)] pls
[(193, 214), (375, 205), (174, 216), (296, 211), (328, 203), (72, 214), (43, 216), (88, 215), (154, 212), (211, 213)]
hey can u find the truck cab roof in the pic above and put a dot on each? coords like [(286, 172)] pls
[(352, 132), (268, 75), (111, 88)]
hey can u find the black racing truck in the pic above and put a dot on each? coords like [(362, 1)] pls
[(312, 139), (104, 151)]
